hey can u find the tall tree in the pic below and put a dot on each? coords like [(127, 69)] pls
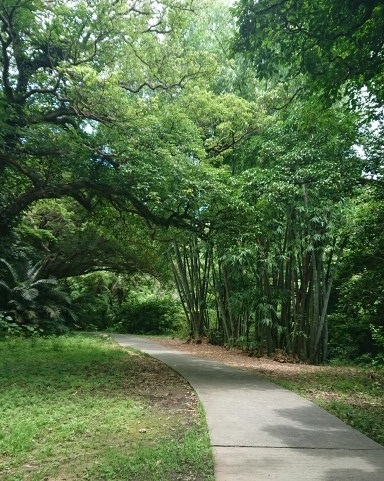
[(279, 240), (79, 82)]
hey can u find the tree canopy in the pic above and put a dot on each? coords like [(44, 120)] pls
[(79, 81), (136, 141), (335, 43)]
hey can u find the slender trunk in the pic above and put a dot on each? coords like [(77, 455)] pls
[(221, 303), (323, 318)]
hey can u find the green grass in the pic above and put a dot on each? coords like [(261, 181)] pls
[(353, 394), (83, 408)]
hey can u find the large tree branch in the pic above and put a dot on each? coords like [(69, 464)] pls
[(221, 148), (36, 180), (180, 83), (122, 199)]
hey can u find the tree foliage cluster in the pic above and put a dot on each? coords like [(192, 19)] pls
[(337, 45), (238, 153)]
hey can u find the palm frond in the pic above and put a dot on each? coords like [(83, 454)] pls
[(34, 300), (11, 269), (34, 271), (27, 293), (31, 314), (50, 280), (54, 312), (5, 285), (18, 307)]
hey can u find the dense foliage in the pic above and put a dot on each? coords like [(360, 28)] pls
[(240, 155), (335, 43)]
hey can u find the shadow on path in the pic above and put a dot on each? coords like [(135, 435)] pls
[(260, 431)]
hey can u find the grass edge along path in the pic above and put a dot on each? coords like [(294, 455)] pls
[(353, 393), (81, 407)]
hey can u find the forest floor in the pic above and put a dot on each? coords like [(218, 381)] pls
[(354, 394)]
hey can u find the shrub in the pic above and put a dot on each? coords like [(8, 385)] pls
[(153, 315), (29, 303)]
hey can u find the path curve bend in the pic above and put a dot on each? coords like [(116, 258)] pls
[(262, 432)]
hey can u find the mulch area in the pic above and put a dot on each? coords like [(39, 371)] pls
[(278, 365)]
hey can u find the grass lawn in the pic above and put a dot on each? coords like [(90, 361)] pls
[(82, 408)]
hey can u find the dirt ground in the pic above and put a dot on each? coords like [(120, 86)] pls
[(237, 358)]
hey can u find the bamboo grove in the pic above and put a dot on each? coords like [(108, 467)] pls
[(263, 296), (261, 277)]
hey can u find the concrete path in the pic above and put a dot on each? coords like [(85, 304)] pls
[(262, 432)]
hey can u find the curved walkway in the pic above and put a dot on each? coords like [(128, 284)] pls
[(260, 431)]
